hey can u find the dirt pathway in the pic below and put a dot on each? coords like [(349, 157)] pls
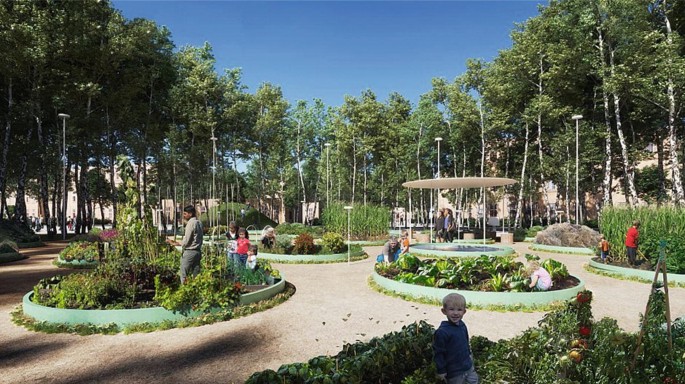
[(333, 305)]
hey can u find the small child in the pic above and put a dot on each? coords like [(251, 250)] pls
[(451, 350), (539, 277), (603, 249), (251, 256), (242, 246), (405, 243)]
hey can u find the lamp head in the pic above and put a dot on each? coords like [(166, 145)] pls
[(577, 117), (438, 139), (348, 207), (327, 145), (63, 116)]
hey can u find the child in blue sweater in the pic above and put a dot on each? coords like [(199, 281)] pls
[(451, 350)]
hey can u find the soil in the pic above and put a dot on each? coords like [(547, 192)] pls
[(568, 282), (333, 305)]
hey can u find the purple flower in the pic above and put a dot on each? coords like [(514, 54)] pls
[(109, 234)]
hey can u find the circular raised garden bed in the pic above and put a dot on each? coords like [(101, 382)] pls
[(123, 317), (560, 249), (526, 299), (459, 250), (319, 258), (83, 264), (632, 272)]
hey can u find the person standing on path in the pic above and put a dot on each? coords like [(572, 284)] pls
[(440, 226), (192, 244), (632, 238)]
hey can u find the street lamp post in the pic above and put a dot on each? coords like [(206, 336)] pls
[(437, 196), (438, 140), (64, 118), (281, 214), (348, 208), (328, 173), (213, 138), (577, 119)]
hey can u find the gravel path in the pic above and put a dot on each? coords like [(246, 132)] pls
[(333, 305)]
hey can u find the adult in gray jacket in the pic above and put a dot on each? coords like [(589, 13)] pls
[(192, 244)]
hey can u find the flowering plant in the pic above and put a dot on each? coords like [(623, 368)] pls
[(109, 234)]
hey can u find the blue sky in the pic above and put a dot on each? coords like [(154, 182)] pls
[(329, 49)]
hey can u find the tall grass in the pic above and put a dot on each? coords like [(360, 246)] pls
[(656, 224), (366, 222)]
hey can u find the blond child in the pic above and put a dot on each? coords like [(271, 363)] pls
[(540, 279), (451, 350)]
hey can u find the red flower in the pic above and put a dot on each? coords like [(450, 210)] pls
[(584, 330), (583, 297)]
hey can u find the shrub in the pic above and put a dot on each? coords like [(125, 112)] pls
[(568, 235), (108, 235), (533, 231), (304, 245), (366, 221), (520, 234), (80, 250), (333, 242), (284, 242), (8, 246), (86, 237)]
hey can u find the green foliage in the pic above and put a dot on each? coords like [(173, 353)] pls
[(520, 234), (533, 231), (333, 242), (656, 224), (484, 273), (80, 250), (297, 229), (304, 245), (367, 222), (387, 359), (284, 242), (204, 292), (17, 232), (8, 246)]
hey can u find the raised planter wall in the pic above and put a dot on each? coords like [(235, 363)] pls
[(631, 272), (123, 317), (501, 251), (559, 249), (480, 298), (306, 258)]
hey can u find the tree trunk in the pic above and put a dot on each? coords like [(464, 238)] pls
[(523, 181), (20, 204), (354, 167), (5, 150), (607, 180), (628, 169), (43, 177), (678, 193)]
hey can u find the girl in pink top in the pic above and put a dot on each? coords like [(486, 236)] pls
[(539, 278), (242, 245)]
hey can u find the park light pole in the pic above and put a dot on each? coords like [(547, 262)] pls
[(328, 173), (213, 138), (438, 140), (64, 118), (281, 214), (348, 208), (577, 119), (437, 195)]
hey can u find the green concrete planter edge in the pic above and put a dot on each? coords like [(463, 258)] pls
[(324, 258), (631, 272), (558, 249), (504, 251), (481, 298), (125, 317), (61, 263)]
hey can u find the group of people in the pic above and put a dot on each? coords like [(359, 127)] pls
[(241, 253), (445, 226), (394, 248)]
